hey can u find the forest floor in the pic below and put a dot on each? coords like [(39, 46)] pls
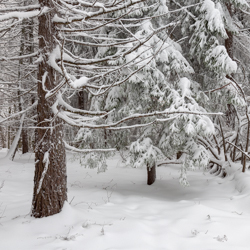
[(116, 210)]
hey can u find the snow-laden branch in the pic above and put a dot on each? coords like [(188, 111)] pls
[(85, 4), (114, 44), (74, 149), (81, 61), (83, 122), (78, 111), (83, 82), (21, 8), (18, 57), (23, 14), (169, 162), (102, 9), (147, 18), (144, 124), (109, 23), (147, 60), (245, 153)]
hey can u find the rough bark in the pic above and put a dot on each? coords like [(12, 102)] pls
[(26, 47), (83, 100), (151, 171), (29, 49), (50, 181), (229, 41)]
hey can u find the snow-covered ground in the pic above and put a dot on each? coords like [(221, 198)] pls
[(116, 210)]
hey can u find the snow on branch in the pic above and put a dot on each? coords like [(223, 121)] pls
[(78, 111), (245, 153), (110, 22), (21, 8), (98, 45), (144, 124), (23, 14), (86, 151), (85, 4), (102, 8), (83, 122), (18, 57)]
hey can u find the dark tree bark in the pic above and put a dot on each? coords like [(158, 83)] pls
[(178, 155), (151, 171), (83, 100), (230, 40), (29, 49), (2, 138), (26, 47), (50, 181)]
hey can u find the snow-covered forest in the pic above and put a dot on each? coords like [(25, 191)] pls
[(125, 123)]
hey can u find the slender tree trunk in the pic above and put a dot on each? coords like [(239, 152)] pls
[(14, 146), (23, 136), (50, 181), (9, 132), (229, 41), (83, 100), (223, 141), (151, 171), (26, 47), (2, 138), (247, 142)]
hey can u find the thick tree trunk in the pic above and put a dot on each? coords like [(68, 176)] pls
[(151, 171), (50, 181)]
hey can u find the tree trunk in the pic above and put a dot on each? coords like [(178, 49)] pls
[(151, 171), (83, 100), (26, 47), (247, 142), (13, 148), (50, 181), (178, 155), (229, 41)]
